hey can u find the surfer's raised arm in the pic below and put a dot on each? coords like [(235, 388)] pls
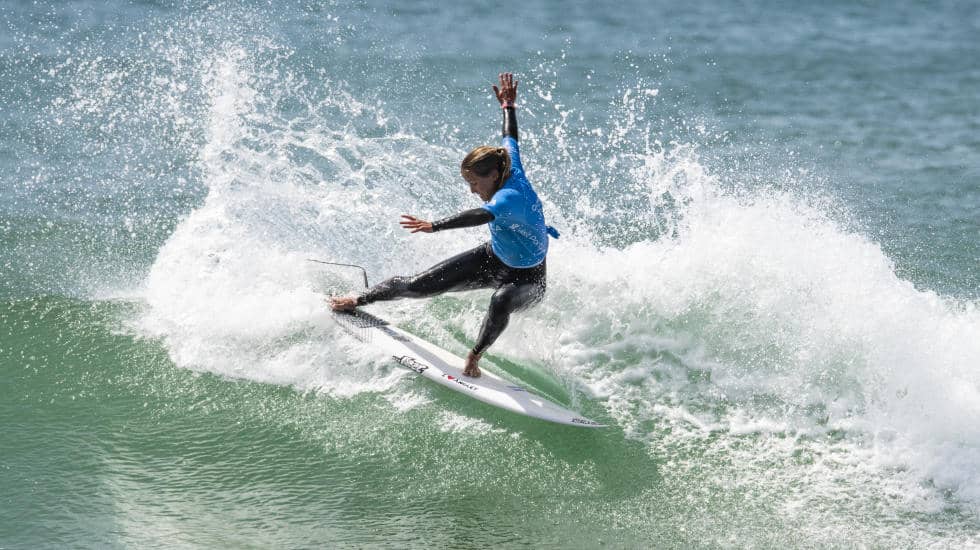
[(507, 96)]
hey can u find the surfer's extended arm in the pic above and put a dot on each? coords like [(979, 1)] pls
[(467, 218), (507, 96)]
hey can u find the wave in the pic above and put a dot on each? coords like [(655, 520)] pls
[(746, 318)]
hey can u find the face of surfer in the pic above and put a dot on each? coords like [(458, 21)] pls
[(485, 169), (483, 186)]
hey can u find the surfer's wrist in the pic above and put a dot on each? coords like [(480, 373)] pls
[(507, 105)]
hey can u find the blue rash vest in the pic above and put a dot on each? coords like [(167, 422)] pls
[(518, 234)]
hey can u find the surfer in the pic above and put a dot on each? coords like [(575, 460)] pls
[(512, 262)]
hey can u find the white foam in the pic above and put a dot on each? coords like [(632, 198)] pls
[(451, 422), (404, 401), (778, 303)]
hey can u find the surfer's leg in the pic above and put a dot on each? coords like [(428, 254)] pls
[(507, 299), (470, 270), (519, 288)]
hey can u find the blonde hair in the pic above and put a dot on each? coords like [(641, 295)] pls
[(484, 159)]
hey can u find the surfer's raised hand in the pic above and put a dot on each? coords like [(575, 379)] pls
[(507, 92), (415, 224)]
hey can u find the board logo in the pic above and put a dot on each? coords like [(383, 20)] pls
[(412, 363), (516, 388), (460, 382), (585, 421)]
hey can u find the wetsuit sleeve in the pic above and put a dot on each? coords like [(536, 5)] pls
[(467, 218), (510, 139), (510, 122)]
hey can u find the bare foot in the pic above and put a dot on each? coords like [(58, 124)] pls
[(471, 369), (342, 303)]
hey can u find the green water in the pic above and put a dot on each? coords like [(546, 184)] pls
[(108, 444), (137, 440)]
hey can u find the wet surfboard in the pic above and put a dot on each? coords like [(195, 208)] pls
[(445, 368)]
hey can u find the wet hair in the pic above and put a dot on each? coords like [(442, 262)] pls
[(482, 160)]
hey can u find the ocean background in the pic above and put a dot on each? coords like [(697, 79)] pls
[(767, 282)]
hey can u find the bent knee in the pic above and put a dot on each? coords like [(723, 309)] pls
[(534, 297), (516, 298)]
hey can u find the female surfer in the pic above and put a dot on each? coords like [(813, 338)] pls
[(512, 262)]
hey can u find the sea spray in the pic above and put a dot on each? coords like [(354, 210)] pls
[(763, 315)]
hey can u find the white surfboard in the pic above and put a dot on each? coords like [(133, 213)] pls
[(436, 364)]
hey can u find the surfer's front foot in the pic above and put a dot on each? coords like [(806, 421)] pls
[(342, 303), (471, 369)]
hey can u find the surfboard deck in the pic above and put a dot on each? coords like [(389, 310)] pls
[(445, 368)]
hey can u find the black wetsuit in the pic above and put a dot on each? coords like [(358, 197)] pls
[(517, 288)]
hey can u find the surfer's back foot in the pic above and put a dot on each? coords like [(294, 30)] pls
[(471, 369), (342, 303)]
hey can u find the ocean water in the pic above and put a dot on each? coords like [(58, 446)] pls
[(767, 282)]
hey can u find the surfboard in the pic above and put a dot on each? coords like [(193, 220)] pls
[(445, 368)]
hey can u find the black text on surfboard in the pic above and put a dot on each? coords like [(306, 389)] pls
[(412, 363)]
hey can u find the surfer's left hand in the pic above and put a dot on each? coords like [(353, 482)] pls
[(415, 224), (507, 92)]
